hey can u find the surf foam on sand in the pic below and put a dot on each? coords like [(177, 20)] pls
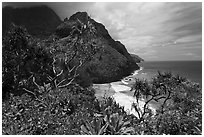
[(120, 91), (118, 87), (127, 101), (137, 71)]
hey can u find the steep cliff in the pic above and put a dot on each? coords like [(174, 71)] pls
[(108, 59), (136, 58)]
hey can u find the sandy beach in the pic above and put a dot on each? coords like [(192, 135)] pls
[(121, 92)]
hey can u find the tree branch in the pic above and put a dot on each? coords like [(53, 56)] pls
[(167, 98), (157, 99), (36, 98), (72, 78), (136, 109), (57, 85), (66, 84), (145, 107), (36, 83)]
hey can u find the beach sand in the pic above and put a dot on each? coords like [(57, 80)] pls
[(103, 90), (122, 94)]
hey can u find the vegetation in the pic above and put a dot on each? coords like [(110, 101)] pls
[(23, 58), (41, 98), (180, 110)]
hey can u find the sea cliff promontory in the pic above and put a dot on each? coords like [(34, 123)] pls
[(107, 60)]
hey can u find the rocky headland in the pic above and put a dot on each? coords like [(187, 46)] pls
[(136, 58), (106, 60)]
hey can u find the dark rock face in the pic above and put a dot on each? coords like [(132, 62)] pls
[(76, 39), (40, 21), (106, 60), (136, 58)]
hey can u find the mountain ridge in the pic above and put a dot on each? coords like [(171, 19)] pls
[(40, 21), (81, 38), (111, 62)]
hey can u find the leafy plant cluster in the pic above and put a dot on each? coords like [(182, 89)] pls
[(109, 119), (35, 103), (23, 58), (59, 111), (180, 105)]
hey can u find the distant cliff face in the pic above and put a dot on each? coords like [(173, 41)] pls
[(40, 21), (136, 58), (107, 60)]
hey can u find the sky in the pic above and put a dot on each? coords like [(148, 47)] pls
[(154, 31)]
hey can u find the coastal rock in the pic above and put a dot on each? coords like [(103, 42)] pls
[(136, 58), (40, 21), (107, 60)]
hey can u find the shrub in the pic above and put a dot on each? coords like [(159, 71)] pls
[(37, 105), (110, 119), (23, 57), (180, 110), (61, 111)]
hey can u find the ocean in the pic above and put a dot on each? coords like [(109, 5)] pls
[(191, 70)]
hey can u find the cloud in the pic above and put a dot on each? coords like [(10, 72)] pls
[(189, 38), (189, 54), (145, 26)]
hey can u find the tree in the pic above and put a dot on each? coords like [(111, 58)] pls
[(23, 58), (180, 110)]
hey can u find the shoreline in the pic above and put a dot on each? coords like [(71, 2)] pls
[(121, 92), (132, 72), (122, 95)]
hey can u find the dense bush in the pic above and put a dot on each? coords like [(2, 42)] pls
[(69, 110), (23, 57), (110, 119), (60, 111), (180, 110), (34, 101), (34, 104), (74, 110)]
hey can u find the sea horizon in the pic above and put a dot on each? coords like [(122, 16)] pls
[(191, 70)]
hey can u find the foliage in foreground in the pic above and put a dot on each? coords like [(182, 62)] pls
[(22, 58), (180, 109), (71, 109), (74, 110), (60, 111)]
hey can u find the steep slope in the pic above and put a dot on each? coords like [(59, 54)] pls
[(40, 21), (105, 59), (136, 58)]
